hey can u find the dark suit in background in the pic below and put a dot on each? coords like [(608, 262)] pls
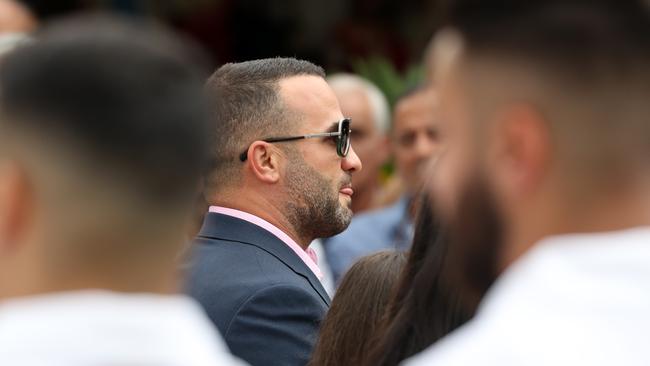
[(264, 299)]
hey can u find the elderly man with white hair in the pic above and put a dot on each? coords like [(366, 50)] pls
[(367, 106)]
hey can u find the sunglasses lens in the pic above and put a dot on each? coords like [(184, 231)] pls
[(344, 138)]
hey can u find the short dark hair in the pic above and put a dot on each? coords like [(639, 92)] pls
[(246, 105), (579, 35), (119, 97), (594, 53)]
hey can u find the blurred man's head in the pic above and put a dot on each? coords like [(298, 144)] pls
[(303, 182), (414, 136), (101, 147), (368, 108), (16, 22), (15, 17), (544, 110)]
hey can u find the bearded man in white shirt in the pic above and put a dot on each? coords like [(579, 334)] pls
[(545, 182), (101, 148)]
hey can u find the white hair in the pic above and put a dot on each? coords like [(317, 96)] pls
[(378, 102)]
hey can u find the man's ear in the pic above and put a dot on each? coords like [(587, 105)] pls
[(264, 162), (15, 205), (523, 148)]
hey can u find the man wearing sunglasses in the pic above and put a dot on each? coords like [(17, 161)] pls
[(281, 176)]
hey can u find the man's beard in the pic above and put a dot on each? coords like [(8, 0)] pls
[(475, 236), (313, 208)]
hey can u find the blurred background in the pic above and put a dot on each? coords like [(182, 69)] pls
[(382, 40)]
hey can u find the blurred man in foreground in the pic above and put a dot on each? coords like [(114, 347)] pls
[(545, 185), (16, 22), (414, 140), (15, 17), (101, 146)]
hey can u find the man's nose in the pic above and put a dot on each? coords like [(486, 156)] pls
[(351, 163), (424, 146)]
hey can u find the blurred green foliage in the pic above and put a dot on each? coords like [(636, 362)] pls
[(392, 82)]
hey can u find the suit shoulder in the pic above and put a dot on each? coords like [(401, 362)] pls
[(223, 262), (224, 275)]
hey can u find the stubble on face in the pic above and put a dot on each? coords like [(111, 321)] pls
[(314, 208), (475, 234)]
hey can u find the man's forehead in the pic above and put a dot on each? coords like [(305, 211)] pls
[(306, 89), (419, 108), (311, 97)]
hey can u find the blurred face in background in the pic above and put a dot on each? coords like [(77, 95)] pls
[(368, 140), (415, 136)]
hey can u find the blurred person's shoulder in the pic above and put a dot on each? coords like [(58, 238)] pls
[(369, 232), (572, 299), (376, 221), (81, 327)]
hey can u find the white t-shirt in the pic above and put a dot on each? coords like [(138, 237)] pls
[(572, 300), (101, 328)]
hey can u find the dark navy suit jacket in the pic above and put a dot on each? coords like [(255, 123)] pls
[(266, 302)]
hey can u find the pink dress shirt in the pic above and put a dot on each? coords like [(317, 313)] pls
[(308, 256)]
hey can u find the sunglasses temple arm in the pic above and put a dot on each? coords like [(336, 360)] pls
[(325, 134), (281, 139), (244, 155)]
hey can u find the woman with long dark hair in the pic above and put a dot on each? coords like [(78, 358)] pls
[(424, 307), (357, 308)]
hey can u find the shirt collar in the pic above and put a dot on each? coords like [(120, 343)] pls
[(307, 256)]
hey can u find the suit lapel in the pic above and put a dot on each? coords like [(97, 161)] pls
[(224, 227)]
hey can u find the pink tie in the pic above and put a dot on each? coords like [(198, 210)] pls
[(312, 254)]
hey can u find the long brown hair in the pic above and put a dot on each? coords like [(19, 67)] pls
[(424, 307), (357, 308)]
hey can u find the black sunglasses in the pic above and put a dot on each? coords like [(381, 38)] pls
[(342, 139)]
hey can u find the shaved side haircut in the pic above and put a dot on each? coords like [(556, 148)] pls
[(107, 117), (246, 105), (584, 64)]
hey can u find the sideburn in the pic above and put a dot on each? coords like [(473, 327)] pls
[(475, 242)]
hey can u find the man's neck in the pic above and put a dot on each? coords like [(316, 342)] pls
[(31, 285), (612, 212)]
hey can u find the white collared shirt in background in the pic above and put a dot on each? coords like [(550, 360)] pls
[(571, 300), (93, 328), (327, 279)]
